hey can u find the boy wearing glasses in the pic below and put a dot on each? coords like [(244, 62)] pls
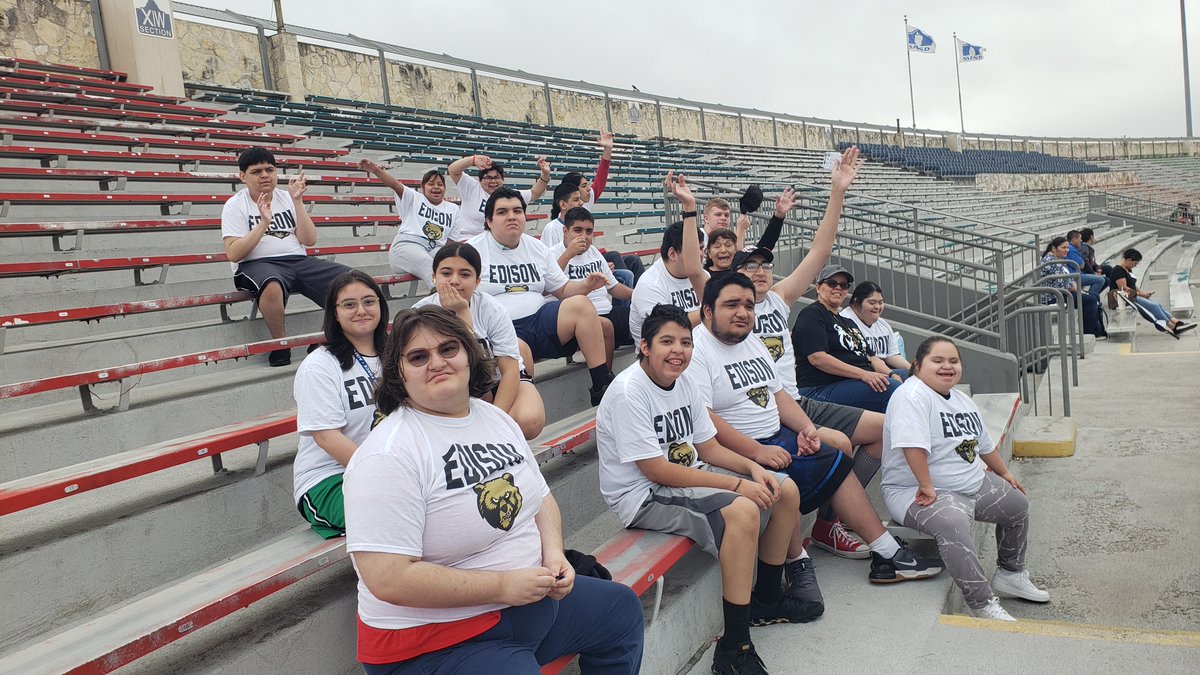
[(265, 230), (472, 192)]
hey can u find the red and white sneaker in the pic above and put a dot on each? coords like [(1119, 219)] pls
[(829, 535)]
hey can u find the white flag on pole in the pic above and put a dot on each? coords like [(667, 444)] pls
[(968, 51), (920, 41)]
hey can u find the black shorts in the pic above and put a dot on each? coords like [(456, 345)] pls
[(310, 277), (540, 331), (817, 476)]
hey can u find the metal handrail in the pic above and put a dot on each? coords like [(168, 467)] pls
[(1029, 359)]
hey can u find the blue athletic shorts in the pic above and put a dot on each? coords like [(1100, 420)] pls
[(817, 476), (540, 331)]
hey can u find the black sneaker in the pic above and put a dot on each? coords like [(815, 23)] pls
[(904, 566), (784, 610), (597, 395), (742, 660), (802, 585), (1181, 327), (280, 357)]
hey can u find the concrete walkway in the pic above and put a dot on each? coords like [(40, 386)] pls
[(1115, 539)]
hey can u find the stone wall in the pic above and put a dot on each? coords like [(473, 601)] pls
[(721, 128), (1039, 182), (58, 31), (510, 100), (339, 73), (420, 86), (645, 127), (221, 56), (574, 109), (681, 123)]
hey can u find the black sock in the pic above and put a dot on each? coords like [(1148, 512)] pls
[(737, 625), (826, 512), (600, 378), (769, 586)]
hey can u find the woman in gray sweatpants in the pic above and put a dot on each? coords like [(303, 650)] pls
[(941, 473)]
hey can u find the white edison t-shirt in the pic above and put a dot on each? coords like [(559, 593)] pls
[(421, 222), (240, 215), (658, 287), (584, 264), (950, 430), (552, 233), (640, 420), (491, 324), (459, 492), (328, 397), (738, 382), (880, 336), (470, 220), (517, 277), (771, 327)]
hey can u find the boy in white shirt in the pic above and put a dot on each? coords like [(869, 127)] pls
[(578, 257), (472, 192), (265, 230), (678, 277)]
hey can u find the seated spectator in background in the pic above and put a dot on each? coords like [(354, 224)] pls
[(426, 221), (866, 311), (590, 190), (941, 474), (1183, 214), (1092, 283), (834, 362), (662, 469), (265, 230), (455, 537), (757, 419), (1124, 283), (491, 178), (840, 426), (676, 278), (518, 271), (719, 251), (1087, 249), (578, 257), (456, 271), (566, 197), (335, 398), (1056, 250), (716, 217)]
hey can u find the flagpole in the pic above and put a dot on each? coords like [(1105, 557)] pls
[(958, 79), (908, 53)]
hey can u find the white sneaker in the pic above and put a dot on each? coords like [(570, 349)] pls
[(1017, 585), (992, 611)]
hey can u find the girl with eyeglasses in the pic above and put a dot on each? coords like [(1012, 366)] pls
[(834, 362), (453, 532), (335, 398), (866, 311)]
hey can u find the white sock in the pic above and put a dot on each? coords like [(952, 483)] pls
[(802, 556), (886, 545)]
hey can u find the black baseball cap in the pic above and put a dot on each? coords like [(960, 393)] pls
[(748, 252)]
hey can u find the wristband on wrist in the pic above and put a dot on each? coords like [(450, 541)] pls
[(688, 214), (739, 484)]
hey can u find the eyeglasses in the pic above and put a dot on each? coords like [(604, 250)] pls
[(352, 305), (844, 285), (755, 266), (492, 176), (419, 358)]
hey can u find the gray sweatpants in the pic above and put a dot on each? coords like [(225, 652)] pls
[(411, 258), (949, 520)]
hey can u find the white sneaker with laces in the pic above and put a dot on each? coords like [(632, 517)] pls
[(1017, 585), (993, 610)]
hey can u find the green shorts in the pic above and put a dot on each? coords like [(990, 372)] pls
[(322, 506)]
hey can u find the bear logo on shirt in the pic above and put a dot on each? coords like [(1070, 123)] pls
[(774, 345), (681, 453), (513, 288), (378, 417), (433, 231), (966, 450), (760, 396), (499, 501)]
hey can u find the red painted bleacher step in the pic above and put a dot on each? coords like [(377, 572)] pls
[(116, 113), (83, 137)]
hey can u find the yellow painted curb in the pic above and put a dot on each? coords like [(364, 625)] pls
[(1046, 448), (1078, 631)]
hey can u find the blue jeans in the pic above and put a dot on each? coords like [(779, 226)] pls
[(624, 276), (1093, 283), (599, 620), (1154, 308), (855, 393)]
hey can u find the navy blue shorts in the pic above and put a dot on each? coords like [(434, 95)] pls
[(310, 277), (818, 475), (540, 331)]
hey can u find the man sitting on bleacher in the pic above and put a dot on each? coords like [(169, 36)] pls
[(756, 418), (265, 230), (677, 277), (578, 257), (491, 178), (518, 270)]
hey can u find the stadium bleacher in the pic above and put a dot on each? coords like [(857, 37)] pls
[(166, 381), (946, 163)]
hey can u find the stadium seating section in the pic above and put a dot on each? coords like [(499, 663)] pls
[(946, 163)]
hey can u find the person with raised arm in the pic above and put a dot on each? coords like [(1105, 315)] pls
[(578, 257), (453, 532), (473, 192), (264, 230), (590, 190), (677, 277), (426, 221)]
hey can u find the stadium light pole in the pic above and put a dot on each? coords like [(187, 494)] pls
[(279, 16), (1187, 80)]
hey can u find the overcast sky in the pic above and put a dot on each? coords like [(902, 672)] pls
[(1052, 67)]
